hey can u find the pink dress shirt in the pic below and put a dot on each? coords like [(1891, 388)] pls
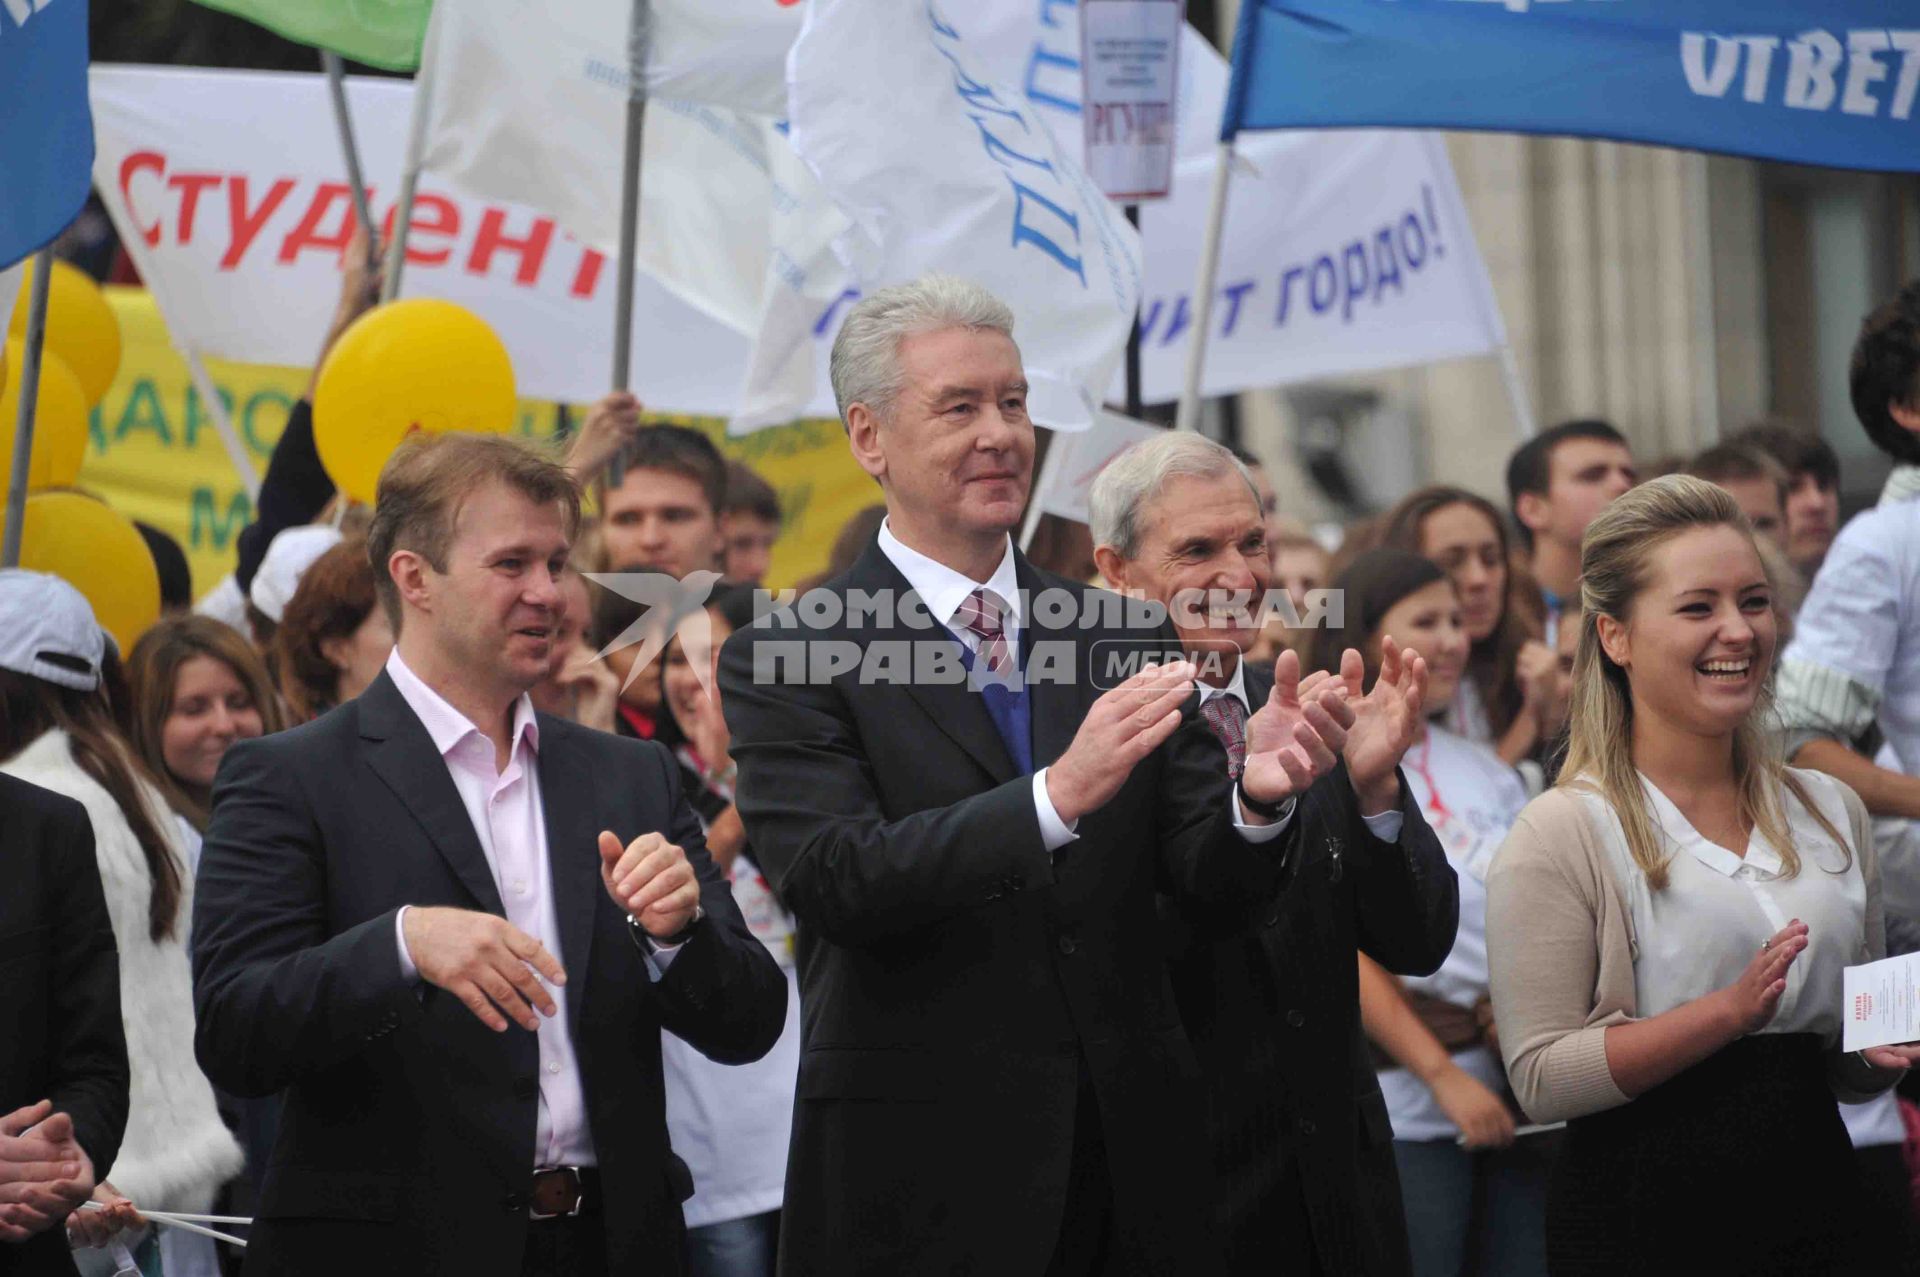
[(507, 815)]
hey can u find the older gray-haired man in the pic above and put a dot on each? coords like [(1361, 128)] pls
[(993, 1077), (1304, 1168)]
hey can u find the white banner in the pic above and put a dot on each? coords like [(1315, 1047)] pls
[(940, 168), (235, 183)]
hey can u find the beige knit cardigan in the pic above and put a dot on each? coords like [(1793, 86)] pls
[(1560, 950)]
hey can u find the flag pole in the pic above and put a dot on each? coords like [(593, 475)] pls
[(343, 120), (1134, 406), (637, 58), (1188, 417), (410, 167), (29, 374), (630, 194)]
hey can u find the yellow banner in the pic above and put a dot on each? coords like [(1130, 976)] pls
[(154, 454)]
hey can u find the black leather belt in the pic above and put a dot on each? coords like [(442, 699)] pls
[(564, 1191)]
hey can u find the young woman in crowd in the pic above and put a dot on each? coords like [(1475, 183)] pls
[(579, 685), (730, 1123), (56, 732), (197, 687), (1667, 927), (1510, 697), (334, 637), (1477, 1206)]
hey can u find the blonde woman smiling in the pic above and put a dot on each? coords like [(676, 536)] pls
[(1667, 927)]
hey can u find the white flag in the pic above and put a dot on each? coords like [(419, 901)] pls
[(529, 101), (939, 168)]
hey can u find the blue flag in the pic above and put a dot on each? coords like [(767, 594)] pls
[(46, 128), (1814, 82)]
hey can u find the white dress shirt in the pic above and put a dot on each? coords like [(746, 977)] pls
[(943, 590), (510, 822)]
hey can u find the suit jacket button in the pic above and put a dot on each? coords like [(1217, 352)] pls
[(1296, 1018), (1273, 920), (514, 1202), (1306, 1126), (1066, 944)]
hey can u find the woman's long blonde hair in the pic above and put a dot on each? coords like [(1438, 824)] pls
[(1616, 561)]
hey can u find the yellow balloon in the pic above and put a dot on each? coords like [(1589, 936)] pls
[(95, 549), (81, 327), (417, 364), (59, 421)]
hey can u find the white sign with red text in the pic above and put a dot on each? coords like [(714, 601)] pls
[(234, 182)]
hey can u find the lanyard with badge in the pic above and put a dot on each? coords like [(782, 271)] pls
[(1470, 852)]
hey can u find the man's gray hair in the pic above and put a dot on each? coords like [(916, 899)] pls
[(865, 365), (1117, 505)]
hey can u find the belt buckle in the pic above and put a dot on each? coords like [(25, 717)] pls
[(579, 1192)]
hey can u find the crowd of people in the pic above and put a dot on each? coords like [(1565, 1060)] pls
[(437, 910)]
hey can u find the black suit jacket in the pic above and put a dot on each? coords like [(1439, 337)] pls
[(1301, 1143), (406, 1142), (957, 978), (62, 1038)]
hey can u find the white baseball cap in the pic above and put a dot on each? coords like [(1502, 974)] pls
[(47, 630), (285, 562)]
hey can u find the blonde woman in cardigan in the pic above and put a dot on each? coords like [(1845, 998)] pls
[(1667, 927)]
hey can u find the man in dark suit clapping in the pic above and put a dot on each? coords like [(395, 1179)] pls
[(969, 820), (1304, 1172), (63, 1053)]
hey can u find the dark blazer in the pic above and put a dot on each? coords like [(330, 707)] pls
[(62, 1039), (957, 980), (1302, 1148), (406, 1140)]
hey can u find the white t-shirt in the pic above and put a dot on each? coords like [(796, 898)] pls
[(730, 1123), (1698, 934), (1470, 799)]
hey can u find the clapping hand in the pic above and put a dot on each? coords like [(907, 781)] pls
[(44, 1173), (1385, 722), (1297, 736)]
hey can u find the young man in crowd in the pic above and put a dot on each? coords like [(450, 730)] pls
[(749, 524), (1813, 488), (1853, 671), (1556, 483), (663, 513), (1849, 694), (1756, 481)]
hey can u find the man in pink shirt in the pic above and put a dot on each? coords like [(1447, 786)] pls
[(451, 928)]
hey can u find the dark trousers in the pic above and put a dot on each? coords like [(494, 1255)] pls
[(1086, 1226), (568, 1246)]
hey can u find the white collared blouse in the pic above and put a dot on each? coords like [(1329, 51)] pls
[(1698, 934)]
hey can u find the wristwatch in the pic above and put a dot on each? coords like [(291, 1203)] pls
[(1266, 811), (679, 937)]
